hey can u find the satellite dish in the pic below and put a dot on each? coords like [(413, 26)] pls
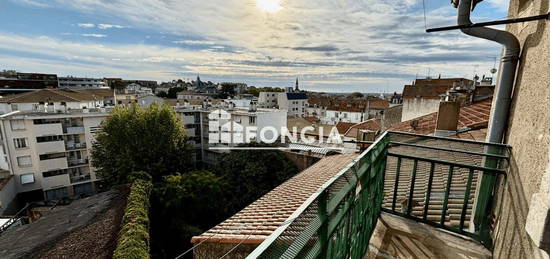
[(493, 70)]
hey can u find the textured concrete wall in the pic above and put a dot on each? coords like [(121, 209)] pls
[(416, 107), (528, 134)]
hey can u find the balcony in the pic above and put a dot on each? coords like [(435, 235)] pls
[(443, 182), (75, 146), (77, 162), (57, 181), (47, 129), (50, 147), (73, 130), (80, 178), (53, 164)]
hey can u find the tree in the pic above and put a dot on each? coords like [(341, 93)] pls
[(228, 89), (357, 95), (162, 94), (134, 139), (250, 174), (173, 92), (185, 205)]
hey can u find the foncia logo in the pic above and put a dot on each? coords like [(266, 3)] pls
[(226, 133)]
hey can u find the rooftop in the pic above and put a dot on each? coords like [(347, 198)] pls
[(474, 116), (257, 221), (58, 95), (87, 227)]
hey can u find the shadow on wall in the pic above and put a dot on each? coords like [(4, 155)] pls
[(510, 238)]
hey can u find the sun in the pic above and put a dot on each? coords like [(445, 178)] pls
[(270, 6)]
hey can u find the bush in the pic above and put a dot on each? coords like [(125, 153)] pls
[(133, 240)]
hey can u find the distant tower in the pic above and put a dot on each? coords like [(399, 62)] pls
[(297, 89)]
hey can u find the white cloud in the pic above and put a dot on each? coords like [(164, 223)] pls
[(194, 42), (353, 42), (86, 25), (110, 26), (93, 35)]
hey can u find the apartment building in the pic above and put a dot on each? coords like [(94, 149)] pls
[(268, 99), (294, 102), (81, 82), (15, 82), (197, 122), (57, 100), (48, 152)]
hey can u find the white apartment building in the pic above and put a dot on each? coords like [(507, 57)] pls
[(81, 82), (57, 100), (48, 152), (294, 103), (197, 125), (268, 99)]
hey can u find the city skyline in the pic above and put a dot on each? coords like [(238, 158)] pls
[(343, 46)]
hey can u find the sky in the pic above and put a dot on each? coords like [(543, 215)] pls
[(330, 45)]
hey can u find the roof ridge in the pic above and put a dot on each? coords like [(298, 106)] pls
[(58, 92)]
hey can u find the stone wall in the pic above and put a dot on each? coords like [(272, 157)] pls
[(391, 116), (524, 191)]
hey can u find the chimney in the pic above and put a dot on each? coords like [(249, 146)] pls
[(447, 119)]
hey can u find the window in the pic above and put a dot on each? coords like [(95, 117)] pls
[(48, 138), (56, 193), (252, 120), (46, 121), (27, 178), (14, 107), (52, 156), (17, 124), (20, 142), (24, 161), (55, 172)]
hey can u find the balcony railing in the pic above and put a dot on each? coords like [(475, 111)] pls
[(80, 178), (75, 146), (429, 179), (77, 162)]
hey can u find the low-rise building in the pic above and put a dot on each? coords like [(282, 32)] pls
[(81, 82), (57, 100)]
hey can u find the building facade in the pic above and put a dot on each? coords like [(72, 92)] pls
[(81, 82), (49, 152)]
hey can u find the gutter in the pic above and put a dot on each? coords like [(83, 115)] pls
[(506, 78), (499, 115)]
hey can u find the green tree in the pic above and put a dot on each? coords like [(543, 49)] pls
[(357, 95), (134, 139), (173, 92), (251, 174), (162, 94), (185, 205)]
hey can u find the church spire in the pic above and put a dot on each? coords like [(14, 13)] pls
[(297, 89)]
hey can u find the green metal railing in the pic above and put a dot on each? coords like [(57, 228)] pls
[(338, 220), (440, 182), (428, 179)]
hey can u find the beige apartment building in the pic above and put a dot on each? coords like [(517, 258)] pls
[(50, 152)]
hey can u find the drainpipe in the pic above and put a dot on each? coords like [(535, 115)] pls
[(507, 74), (499, 118)]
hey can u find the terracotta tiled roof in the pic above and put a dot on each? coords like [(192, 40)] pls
[(49, 95), (431, 88), (477, 135), (343, 127), (349, 104), (255, 223), (312, 119), (472, 116), (372, 125)]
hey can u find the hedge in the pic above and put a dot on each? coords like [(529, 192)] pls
[(133, 239)]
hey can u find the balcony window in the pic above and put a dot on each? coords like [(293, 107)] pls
[(20, 143), (56, 193), (24, 161), (49, 138), (46, 121), (51, 156), (54, 172)]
